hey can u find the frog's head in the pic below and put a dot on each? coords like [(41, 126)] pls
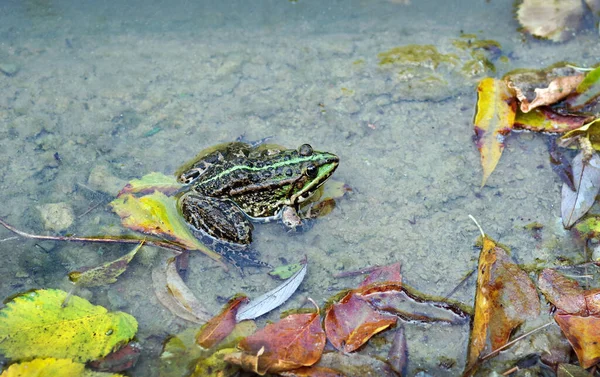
[(317, 167)]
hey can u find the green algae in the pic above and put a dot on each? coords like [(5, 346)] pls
[(417, 55)]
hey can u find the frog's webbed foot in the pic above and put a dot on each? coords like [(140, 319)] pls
[(293, 222)]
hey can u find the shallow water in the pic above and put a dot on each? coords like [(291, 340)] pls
[(143, 86)]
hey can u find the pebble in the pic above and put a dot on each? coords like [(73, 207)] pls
[(56, 216), (8, 68), (103, 180)]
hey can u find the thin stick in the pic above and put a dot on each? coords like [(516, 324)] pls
[(159, 243), (476, 223), (91, 209), (462, 282), (494, 352)]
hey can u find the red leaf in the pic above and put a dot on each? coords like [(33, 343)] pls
[(218, 327), (295, 341), (352, 321), (390, 273)]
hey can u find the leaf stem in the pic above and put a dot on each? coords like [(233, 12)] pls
[(479, 226), (494, 352)]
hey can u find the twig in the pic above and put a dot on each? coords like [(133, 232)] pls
[(91, 208), (494, 352), (8, 239), (462, 282), (159, 243), (362, 271)]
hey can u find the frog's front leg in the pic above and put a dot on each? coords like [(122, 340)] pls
[(221, 219), (290, 217)]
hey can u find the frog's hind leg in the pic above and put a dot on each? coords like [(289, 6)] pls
[(220, 219), (240, 258)]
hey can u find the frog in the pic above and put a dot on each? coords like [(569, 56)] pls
[(231, 186)]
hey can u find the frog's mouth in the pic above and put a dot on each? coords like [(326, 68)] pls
[(326, 167)]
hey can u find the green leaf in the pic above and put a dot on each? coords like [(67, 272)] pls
[(52, 368), (588, 89), (151, 182), (35, 324), (105, 274), (285, 272)]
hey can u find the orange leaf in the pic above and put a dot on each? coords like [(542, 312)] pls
[(504, 299), (583, 334), (295, 341), (218, 327), (562, 292), (496, 109), (351, 322)]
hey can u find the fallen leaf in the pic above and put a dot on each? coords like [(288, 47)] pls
[(543, 119), (590, 131), (295, 341), (542, 87), (352, 321), (286, 271), (386, 275), (505, 298), (156, 214), (150, 183), (494, 119), (35, 324), (398, 353), (562, 292), (215, 365), (583, 334), (105, 274), (52, 368), (588, 90), (356, 365), (172, 292), (586, 177), (272, 299), (218, 327), (122, 359), (554, 20), (560, 164), (588, 228)]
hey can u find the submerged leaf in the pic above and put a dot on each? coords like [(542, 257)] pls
[(562, 292), (588, 90), (156, 214), (52, 368), (272, 299), (586, 177), (496, 109), (105, 274), (286, 271), (504, 299), (218, 327), (554, 20), (295, 341), (543, 119), (172, 292), (590, 131), (150, 183), (583, 334), (36, 324)]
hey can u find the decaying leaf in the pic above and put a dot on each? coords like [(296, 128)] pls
[(218, 327), (122, 359), (156, 214), (295, 341), (312, 371), (588, 228), (150, 183), (272, 299), (577, 314), (286, 271), (389, 274), (172, 292), (586, 177), (505, 298), (554, 20), (496, 109), (52, 368), (352, 321), (104, 274), (569, 370), (398, 354), (543, 119), (35, 324), (543, 87), (215, 365), (356, 365)]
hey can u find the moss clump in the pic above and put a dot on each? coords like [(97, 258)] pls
[(417, 55)]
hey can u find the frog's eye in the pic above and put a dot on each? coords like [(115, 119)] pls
[(305, 150), (312, 171)]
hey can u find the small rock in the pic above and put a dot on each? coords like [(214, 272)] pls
[(8, 68), (103, 180), (56, 216)]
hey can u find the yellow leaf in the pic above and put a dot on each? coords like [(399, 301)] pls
[(35, 324), (105, 274), (156, 214), (496, 109), (52, 368), (589, 130)]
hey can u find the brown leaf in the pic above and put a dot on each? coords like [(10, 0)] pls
[(295, 341), (494, 119), (385, 274), (542, 87), (583, 334), (505, 298), (352, 321), (398, 354), (544, 119), (218, 327), (562, 292)]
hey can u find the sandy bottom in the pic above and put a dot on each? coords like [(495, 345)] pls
[(103, 94)]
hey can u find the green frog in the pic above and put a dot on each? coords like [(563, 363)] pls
[(231, 185)]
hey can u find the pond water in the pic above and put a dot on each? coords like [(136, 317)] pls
[(99, 93)]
